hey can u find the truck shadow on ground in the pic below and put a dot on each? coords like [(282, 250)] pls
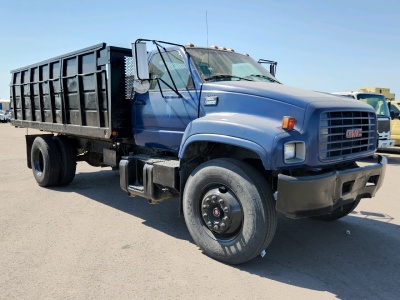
[(356, 257), (392, 154)]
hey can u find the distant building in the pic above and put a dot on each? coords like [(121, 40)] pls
[(384, 91), (4, 104)]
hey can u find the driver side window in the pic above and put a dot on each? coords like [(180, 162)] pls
[(177, 68)]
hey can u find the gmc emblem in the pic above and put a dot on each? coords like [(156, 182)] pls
[(353, 133)]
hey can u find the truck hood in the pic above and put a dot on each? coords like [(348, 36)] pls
[(280, 92)]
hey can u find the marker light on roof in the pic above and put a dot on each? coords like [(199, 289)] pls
[(214, 47), (190, 45)]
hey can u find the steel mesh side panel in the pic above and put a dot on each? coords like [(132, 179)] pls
[(129, 76)]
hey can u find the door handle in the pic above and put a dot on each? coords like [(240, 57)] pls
[(140, 102)]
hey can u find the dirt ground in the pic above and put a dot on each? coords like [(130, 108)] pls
[(89, 240)]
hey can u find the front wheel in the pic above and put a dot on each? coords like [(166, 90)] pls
[(229, 210)]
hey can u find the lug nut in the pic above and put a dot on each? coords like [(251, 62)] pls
[(209, 224), (223, 225), (208, 200), (216, 227), (226, 209), (221, 201), (205, 215), (205, 206)]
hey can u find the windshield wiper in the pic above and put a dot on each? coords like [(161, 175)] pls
[(222, 76), (265, 77)]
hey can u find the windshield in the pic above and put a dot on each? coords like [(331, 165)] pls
[(218, 65), (378, 102)]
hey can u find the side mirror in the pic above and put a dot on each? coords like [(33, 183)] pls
[(394, 115), (141, 82)]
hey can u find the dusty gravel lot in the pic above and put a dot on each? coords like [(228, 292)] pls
[(89, 240)]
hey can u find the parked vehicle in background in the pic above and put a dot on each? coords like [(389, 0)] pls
[(395, 121), (208, 125), (10, 115), (380, 104), (3, 117)]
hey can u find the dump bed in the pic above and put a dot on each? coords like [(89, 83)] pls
[(80, 93)]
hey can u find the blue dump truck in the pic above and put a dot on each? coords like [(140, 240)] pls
[(209, 126)]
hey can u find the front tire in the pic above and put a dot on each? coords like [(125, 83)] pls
[(45, 160), (229, 210)]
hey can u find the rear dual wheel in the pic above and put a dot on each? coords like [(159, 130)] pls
[(53, 161), (229, 210), (68, 160), (45, 159)]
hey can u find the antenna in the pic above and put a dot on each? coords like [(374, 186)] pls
[(207, 27), (208, 52)]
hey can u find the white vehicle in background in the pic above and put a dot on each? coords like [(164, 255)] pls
[(3, 117), (380, 104)]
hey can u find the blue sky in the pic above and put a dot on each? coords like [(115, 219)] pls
[(330, 46)]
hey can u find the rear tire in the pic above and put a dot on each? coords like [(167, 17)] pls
[(339, 212), (229, 188), (68, 160), (45, 160)]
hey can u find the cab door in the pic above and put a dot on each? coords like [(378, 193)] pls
[(162, 114)]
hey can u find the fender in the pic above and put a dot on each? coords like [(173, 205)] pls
[(253, 132), (223, 139)]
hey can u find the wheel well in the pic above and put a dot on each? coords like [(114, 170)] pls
[(198, 152)]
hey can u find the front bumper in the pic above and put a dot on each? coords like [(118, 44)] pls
[(386, 143), (308, 196)]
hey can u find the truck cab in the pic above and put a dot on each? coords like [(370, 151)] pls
[(380, 104)]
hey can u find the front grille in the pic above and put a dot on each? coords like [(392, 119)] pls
[(383, 125), (360, 128)]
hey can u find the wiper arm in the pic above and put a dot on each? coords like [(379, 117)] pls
[(265, 77), (222, 76)]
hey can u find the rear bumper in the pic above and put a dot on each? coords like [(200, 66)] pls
[(320, 194)]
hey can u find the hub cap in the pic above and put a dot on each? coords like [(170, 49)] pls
[(221, 211)]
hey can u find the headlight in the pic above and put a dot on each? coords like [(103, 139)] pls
[(294, 152), (290, 151)]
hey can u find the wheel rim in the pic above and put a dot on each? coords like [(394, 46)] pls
[(221, 212), (38, 162)]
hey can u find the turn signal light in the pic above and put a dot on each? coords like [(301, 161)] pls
[(288, 123)]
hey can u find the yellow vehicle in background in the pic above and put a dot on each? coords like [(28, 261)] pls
[(395, 121), (381, 106)]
